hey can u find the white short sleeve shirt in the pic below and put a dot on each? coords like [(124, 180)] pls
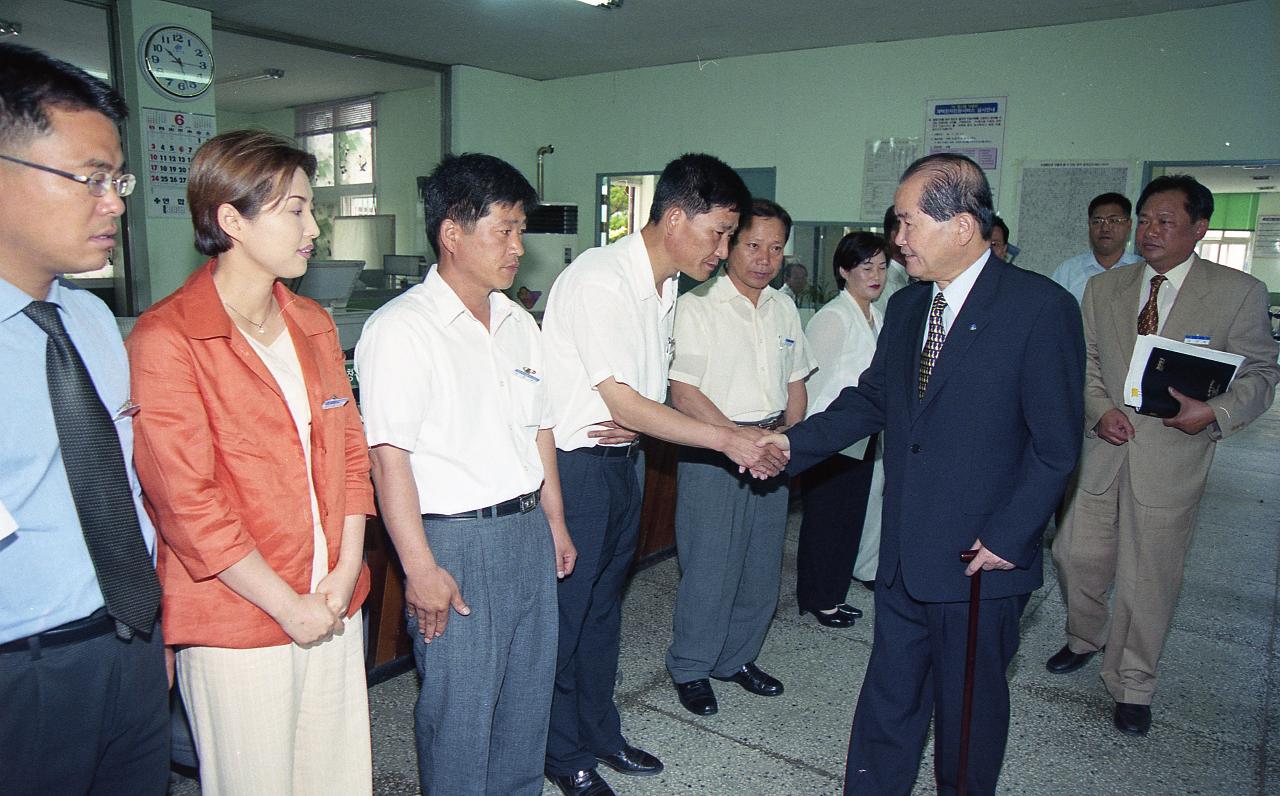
[(465, 401), (605, 318), (740, 355)]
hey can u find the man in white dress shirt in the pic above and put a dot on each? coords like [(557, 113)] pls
[(741, 359), (896, 278), (456, 412), (1110, 219), (608, 329), (795, 277)]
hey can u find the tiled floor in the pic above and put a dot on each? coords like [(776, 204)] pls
[(1217, 710)]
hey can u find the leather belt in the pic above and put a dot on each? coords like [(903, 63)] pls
[(516, 505), (768, 424), (607, 451), (94, 625)]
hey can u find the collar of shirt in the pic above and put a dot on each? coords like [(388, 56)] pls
[(450, 308), (13, 299), (723, 289), (640, 271), (957, 292), (1176, 276)]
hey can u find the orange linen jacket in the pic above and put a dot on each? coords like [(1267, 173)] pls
[(221, 466)]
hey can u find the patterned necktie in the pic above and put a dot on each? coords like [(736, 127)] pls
[(99, 483), (933, 343), (1149, 318)]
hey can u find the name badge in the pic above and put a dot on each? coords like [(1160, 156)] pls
[(528, 374), (1196, 339), (333, 403), (786, 342)]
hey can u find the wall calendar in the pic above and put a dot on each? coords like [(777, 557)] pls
[(172, 138)]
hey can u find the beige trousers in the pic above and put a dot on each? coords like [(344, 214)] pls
[(280, 720), (1109, 539)]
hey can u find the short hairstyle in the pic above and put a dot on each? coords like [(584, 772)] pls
[(1111, 198), (461, 188), (891, 222), (31, 83), (247, 169), (854, 248), (790, 268), (762, 208), (695, 183), (954, 184), (997, 221), (1198, 199)]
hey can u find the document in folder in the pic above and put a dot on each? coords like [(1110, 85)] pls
[(1159, 363)]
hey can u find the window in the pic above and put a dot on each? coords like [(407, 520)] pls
[(342, 137), (1229, 247)]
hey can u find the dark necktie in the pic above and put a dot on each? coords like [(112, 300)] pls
[(1149, 318), (96, 472), (932, 343)]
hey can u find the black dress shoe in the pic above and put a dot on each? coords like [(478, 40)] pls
[(845, 608), (1064, 660), (635, 762), (833, 619), (582, 783), (1133, 719), (697, 697), (755, 680)]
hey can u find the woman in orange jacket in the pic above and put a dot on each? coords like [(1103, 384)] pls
[(253, 461)]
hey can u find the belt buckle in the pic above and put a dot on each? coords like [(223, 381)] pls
[(528, 502)]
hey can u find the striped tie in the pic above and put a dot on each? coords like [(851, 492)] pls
[(933, 343)]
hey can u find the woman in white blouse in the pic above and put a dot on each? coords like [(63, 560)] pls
[(843, 339)]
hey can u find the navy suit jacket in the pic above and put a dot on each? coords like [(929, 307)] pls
[(987, 453)]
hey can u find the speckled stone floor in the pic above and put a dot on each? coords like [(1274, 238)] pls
[(1216, 726)]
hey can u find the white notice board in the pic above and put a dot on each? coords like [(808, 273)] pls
[(1053, 207), (972, 126)]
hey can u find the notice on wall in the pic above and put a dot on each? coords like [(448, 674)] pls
[(1266, 238), (972, 126), (1053, 207), (171, 138), (882, 167)]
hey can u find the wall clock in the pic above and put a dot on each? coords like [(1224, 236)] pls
[(177, 62)]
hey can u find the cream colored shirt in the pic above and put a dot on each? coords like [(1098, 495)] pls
[(465, 401), (843, 344), (1168, 290), (741, 356), (605, 319)]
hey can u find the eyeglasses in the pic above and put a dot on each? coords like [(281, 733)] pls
[(1115, 221), (97, 182)]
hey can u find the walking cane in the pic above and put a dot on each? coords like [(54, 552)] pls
[(966, 711)]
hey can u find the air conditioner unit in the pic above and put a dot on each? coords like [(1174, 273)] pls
[(550, 243)]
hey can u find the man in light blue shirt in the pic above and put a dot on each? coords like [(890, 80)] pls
[(1110, 219), (84, 692)]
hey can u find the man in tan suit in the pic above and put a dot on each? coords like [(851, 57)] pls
[(1129, 522)]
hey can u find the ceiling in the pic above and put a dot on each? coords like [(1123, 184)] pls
[(540, 39), (1232, 179)]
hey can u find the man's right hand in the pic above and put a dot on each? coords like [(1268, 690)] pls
[(310, 620), (741, 444), (429, 593), (1114, 427)]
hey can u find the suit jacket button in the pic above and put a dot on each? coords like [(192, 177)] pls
[(915, 448)]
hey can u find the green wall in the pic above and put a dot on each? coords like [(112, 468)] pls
[(1146, 88), (1234, 211)]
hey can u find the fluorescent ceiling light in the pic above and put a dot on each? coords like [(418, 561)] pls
[(265, 74), (602, 3), (9, 29)]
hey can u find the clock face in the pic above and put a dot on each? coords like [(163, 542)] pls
[(177, 62)]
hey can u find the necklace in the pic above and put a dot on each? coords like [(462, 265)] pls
[(261, 327)]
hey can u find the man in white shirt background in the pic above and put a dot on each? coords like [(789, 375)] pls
[(896, 278), (795, 278), (1110, 220), (456, 412), (608, 330), (741, 359)]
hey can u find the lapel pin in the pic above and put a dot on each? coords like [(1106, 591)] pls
[(973, 327)]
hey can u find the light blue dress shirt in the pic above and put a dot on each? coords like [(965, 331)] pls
[(1075, 272), (46, 576)]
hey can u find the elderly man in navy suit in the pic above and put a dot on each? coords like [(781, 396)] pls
[(977, 385)]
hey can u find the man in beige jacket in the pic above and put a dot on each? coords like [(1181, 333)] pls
[(1129, 522)]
